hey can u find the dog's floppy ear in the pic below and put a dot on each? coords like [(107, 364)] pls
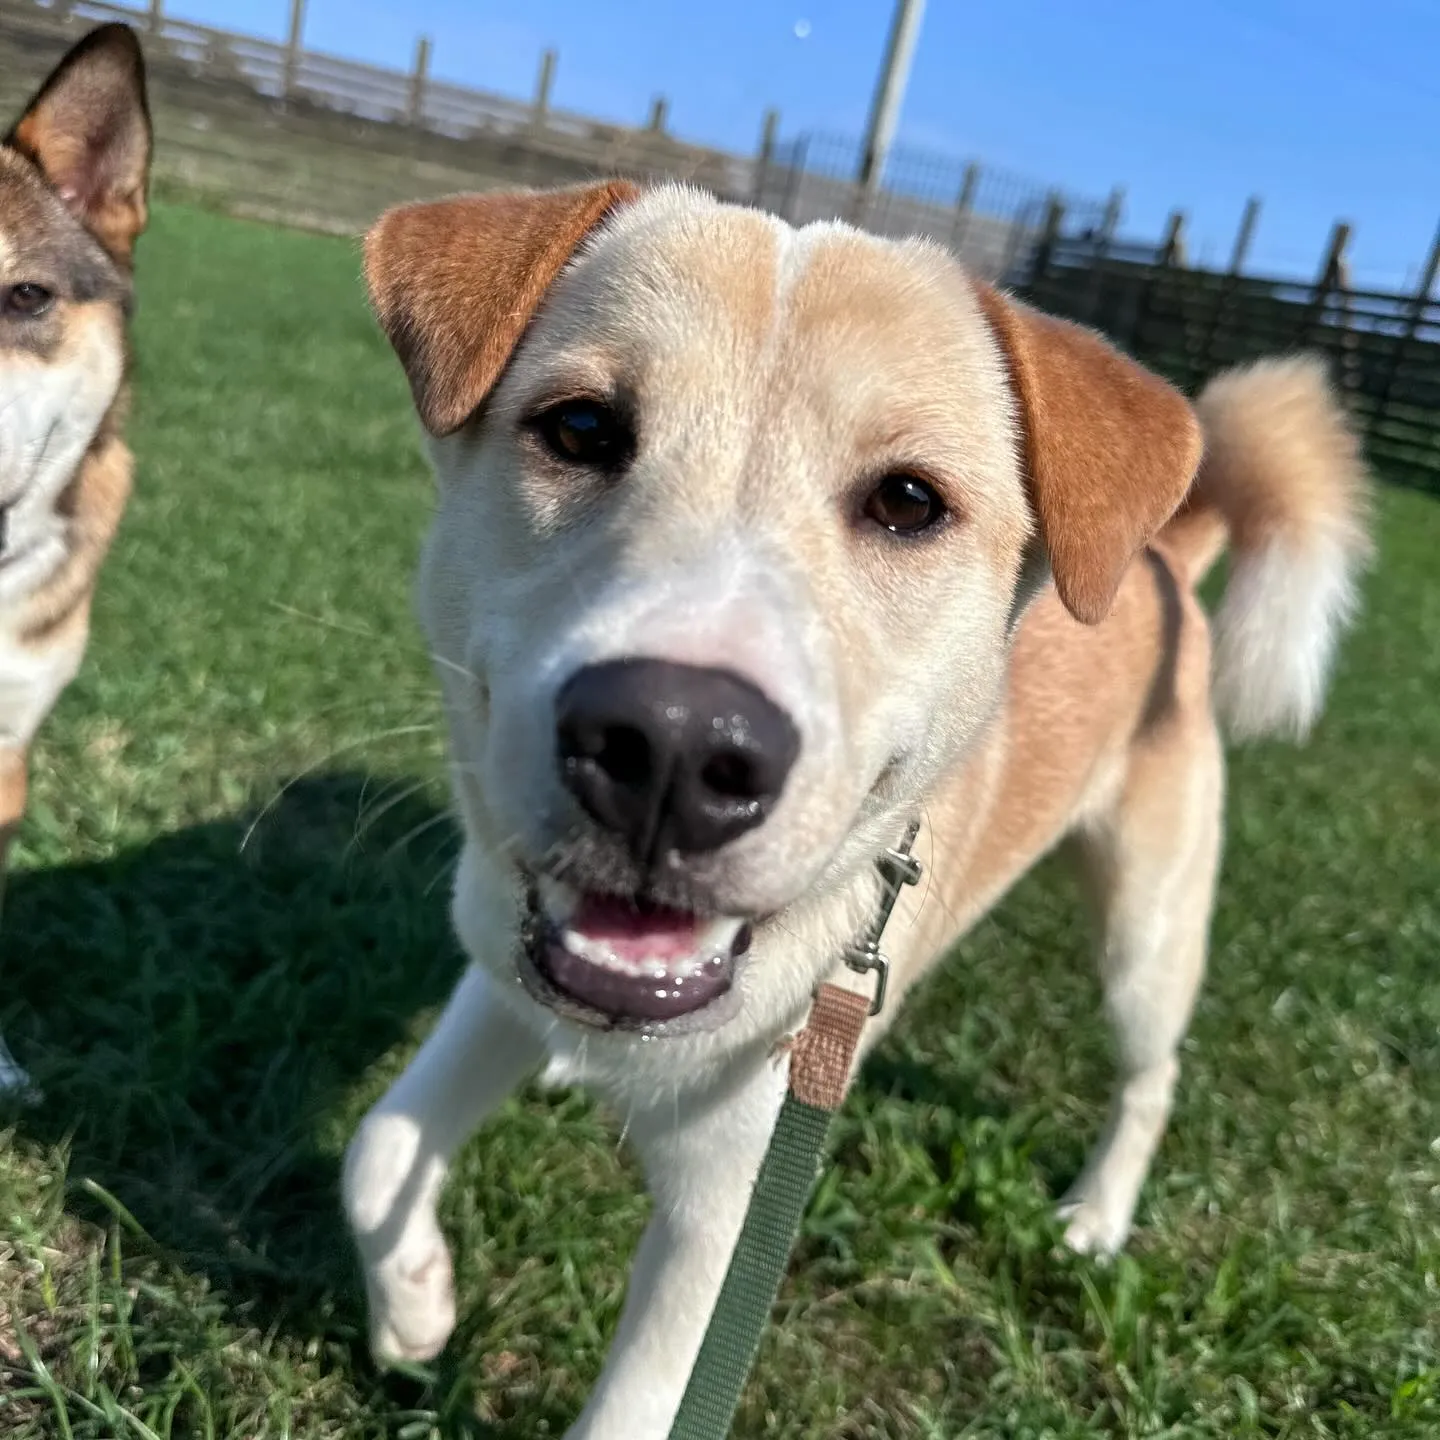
[(88, 131), (455, 282), (1110, 449)]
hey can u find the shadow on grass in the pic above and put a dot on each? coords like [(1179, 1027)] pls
[(200, 1014), (204, 1014)]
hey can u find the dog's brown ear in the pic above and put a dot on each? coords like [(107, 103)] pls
[(455, 282), (1110, 449), (88, 130)]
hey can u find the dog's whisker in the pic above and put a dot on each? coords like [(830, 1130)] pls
[(930, 869), (445, 663), (410, 836), (445, 868), (625, 1128), (370, 815), (366, 632), (332, 622), (315, 767)]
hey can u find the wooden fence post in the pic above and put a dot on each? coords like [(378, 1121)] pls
[(1169, 255), (769, 134), (155, 22), (544, 86), (418, 78), (659, 110), (1172, 245), (1414, 313), (294, 46), (1331, 266), (1333, 280), (1226, 288), (1245, 235), (1018, 233), (1332, 270), (1109, 224), (964, 207), (1049, 237)]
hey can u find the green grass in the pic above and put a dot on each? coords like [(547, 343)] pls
[(228, 927)]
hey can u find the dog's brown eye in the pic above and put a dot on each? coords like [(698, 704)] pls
[(26, 300), (904, 505), (586, 432)]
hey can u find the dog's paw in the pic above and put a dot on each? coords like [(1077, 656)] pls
[(1092, 1230), (412, 1306)]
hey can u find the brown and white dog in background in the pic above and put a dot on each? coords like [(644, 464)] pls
[(73, 177), (752, 544)]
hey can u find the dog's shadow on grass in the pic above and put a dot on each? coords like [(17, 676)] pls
[(200, 1014), (204, 1015)]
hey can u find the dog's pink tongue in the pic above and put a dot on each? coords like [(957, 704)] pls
[(633, 934)]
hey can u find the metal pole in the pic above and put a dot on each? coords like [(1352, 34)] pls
[(889, 94)]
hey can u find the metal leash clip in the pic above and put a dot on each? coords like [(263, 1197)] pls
[(899, 868)]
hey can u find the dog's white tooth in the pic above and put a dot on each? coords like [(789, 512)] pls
[(581, 945), (719, 935), (655, 970), (620, 964)]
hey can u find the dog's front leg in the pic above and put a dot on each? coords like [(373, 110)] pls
[(396, 1164), (701, 1157)]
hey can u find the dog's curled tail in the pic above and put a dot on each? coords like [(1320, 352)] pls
[(1284, 482)]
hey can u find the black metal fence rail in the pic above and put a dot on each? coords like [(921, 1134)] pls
[(1384, 346)]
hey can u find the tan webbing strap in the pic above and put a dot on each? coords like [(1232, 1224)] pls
[(824, 1052)]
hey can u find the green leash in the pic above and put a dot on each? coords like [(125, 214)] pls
[(820, 1064)]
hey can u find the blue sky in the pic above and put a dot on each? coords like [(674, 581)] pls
[(1324, 109)]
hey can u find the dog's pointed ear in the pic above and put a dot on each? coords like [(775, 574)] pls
[(454, 283), (88, 131), (1110, 449)]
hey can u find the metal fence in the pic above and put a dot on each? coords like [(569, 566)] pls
[(990, 218), (275, 131), (1384, 346)]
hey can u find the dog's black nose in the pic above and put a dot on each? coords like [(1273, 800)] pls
[(672, 757)]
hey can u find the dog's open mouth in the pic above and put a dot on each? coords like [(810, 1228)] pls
[(621, 964)]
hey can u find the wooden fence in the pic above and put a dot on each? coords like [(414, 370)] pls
[(275, 131), (1384, 346)]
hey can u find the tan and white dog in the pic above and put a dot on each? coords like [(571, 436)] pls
[(73, 176), (752, 544)]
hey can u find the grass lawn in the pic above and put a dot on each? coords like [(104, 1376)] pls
[(228, 927)]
